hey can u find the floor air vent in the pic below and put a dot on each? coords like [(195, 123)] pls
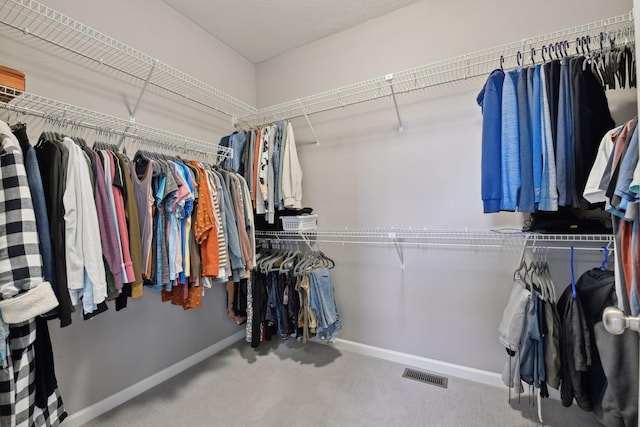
[(425, 377)]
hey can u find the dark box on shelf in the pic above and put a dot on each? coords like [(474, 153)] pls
[(11, 78)]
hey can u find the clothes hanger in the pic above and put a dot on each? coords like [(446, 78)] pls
[(269, 265), (532, 54), (544, 285), (559, 51), (326, 261), (301, 266), (603, 266), (264, 264), (276, 264), (534, 271), (587, 43), (289, 262), (573, 276), (551, 288), (520, 273)]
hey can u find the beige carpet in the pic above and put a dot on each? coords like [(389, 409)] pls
[(286, 383)]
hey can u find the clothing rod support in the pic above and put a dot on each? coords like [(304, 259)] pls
[(400, 254), (132, 118), (389, 78), (306, 116), (307, 241)]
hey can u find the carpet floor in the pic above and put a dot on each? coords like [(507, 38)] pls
[(287, 383)]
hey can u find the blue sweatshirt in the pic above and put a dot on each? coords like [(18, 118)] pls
[(490, 99), (536, 130), (510, 143)]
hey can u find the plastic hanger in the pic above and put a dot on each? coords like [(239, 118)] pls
[(306, 263), (532, 54), (603, 266), (573, 276), (551, 287), (578, 45), (519, 275), (289, 262)]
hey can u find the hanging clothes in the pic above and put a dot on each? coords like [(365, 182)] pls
[(131, 213), (542, 126), (52, 161), (85, 269), (141, 177), (40, 209), (583, 377), (267, 159), (110, 246), (612, 180), (25, 294), (291, 295), (490, 99), (591, 120), (26, 400)]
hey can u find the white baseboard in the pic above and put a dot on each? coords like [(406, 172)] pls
[(436, 366), (105, 405)]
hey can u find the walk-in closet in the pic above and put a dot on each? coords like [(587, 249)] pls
[(367, 213)]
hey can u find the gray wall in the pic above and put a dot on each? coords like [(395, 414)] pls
[(447, 302), (97, 358)]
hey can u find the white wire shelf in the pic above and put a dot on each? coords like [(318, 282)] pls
[(434, 237), (452, 70), (34, 20), (31, 19), (69, 116)]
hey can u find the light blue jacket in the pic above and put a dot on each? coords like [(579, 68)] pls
[(510, 143)]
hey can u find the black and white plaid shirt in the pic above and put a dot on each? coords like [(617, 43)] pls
[(23, 292), (20, 262)]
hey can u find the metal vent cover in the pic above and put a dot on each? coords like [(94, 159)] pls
[(425, 377)]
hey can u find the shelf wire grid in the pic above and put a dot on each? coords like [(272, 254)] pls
[(37, 20), (439, 237), (68, 115), (452, 70)]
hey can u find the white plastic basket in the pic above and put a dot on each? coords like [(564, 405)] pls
[(299, 223)]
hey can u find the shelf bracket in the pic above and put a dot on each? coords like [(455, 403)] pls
[(389, 78), (306, 116), (306, 240), (132, 119), (398, 249)]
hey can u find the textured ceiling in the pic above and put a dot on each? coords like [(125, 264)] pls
[(260, 30)]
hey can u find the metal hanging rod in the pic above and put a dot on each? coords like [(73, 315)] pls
[(452, 70), (401, 238), (65, 115), (36, 21), (417, 237)]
